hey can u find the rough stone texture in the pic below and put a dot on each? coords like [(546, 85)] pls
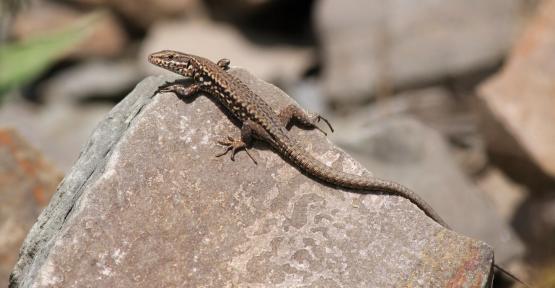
[(519, 101), (27, 181), (370, 46), (403, 149), (147, 197), (276, 63), (105, 35)]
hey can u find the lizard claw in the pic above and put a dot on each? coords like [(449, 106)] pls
[(320, 129), (166, 87), (234, 145), (320, 118), (316, 118)]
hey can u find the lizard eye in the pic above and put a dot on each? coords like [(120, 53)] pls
[(170, 56)]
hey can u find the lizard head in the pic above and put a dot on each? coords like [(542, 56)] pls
[(173, 61)]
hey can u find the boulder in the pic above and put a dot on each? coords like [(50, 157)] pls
[(148, 205)]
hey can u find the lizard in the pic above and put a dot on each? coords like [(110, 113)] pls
[(259, 121)]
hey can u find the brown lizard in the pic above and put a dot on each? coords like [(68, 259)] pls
[(260, 121)]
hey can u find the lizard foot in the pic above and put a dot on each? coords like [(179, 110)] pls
[(234, 145), (292, 113)]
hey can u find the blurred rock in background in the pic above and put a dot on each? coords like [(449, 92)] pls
[(374, 47), (27, 181), (59, 130), (518, 109), (105, 38), (280, 63), (521, 98), (365, 64), (143, 13)]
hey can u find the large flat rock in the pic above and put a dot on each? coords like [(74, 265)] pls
[(148, 205)]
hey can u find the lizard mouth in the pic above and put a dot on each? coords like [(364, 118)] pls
[(158, 59), (154, 60)]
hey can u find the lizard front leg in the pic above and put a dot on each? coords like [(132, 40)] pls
[(224, 63), (182, 91), (293, 113)]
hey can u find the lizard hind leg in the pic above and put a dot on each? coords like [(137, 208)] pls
[(235, 145), (308, 120)]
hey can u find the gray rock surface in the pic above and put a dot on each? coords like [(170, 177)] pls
[(148, 205), (402, 148), (369, 46)]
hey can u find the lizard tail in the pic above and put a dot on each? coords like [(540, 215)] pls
[(360, 184)]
